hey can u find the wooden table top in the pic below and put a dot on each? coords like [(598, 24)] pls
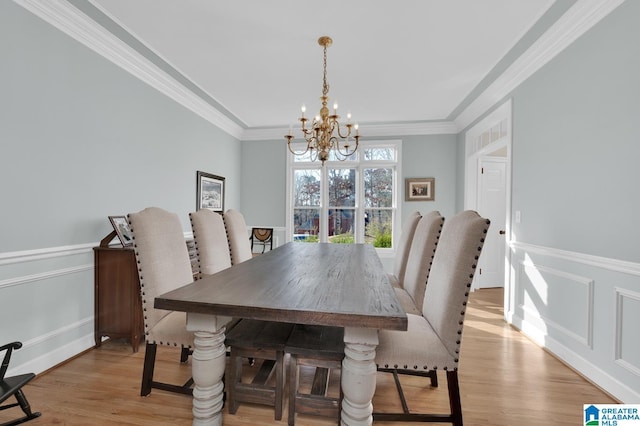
[(305, 283)]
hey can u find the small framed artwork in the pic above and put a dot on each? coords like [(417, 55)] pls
[(210, 192), (420, 189), (121, 226)]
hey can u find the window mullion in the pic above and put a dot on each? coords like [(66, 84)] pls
[(324, 205)]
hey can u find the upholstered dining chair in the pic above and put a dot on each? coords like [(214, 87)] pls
[(262, 237), (410, 292), (163, 265), (432, 340), (210, 236), (212, 247), (239, 244), (402, 251), (12, 386)]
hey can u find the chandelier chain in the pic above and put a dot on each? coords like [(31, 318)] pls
[(325, 86)]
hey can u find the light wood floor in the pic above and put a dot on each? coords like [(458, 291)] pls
[(505, 380)]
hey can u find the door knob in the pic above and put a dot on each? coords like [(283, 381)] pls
[(502, 232)]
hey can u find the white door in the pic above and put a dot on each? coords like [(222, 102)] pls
[(492, 204)]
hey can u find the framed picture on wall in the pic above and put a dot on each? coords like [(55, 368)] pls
[(420, 189), (210, 192), (121, 226)]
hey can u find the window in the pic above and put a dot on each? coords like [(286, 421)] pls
[(352, 201)]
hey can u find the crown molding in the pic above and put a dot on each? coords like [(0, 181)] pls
[(65, 17), (366, 130), (583, 15)]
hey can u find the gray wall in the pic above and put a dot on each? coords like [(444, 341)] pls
[(576, 149), (431, 156), (576, 277), (81, 139), (264, 176), (264, 173)]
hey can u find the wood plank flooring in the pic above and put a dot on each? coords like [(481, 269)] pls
[(505, 380)]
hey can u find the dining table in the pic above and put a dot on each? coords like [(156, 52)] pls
[(342, 285)]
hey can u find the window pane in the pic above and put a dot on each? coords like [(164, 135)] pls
[(378, 187), (302, 158), (378, 227), (306, 224), (337, 157), (383, 153), (306, 188), (342, 187), (341, 225)]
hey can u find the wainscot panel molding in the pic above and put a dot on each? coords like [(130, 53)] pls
[(627, 313), (65, 17), (53, 288), (582, 308), (578, 326)]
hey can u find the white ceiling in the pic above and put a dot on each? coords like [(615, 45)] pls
[(409, 60)]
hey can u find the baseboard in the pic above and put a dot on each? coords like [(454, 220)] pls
[(52, 358), (580, 365)]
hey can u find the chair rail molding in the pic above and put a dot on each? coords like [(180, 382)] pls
[(616, 265), (44, 276), (44, 253)]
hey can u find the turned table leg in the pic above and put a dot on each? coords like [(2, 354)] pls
[(208, 365), (358, 376)]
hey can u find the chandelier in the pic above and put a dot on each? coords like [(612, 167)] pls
[(326, 133)]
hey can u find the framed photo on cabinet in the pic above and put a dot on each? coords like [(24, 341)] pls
[(121, 226)]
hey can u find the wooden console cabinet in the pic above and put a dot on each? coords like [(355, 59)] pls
[(118, 309)]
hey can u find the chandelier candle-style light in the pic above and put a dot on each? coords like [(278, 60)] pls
[(326, 133)]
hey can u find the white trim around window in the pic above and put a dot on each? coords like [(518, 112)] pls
[(320, 199)]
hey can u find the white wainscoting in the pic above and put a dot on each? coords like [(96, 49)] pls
[(47, 304), (627, 353), (584, 309)]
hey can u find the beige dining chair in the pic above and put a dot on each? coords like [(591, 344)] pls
[(239, 244), (212, 247), (423, 248), (402, 251), (163, 265), (210, 237), (432, 340)]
